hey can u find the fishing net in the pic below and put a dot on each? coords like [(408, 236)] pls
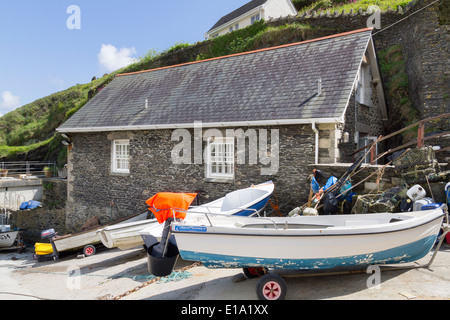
[(388, 201), (363, 203)]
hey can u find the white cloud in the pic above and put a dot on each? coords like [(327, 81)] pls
[(111, 59), (8, 102)]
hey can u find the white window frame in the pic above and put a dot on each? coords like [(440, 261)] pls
[(255, 18), (120, 156), (364, 86), (365, 140), (220, 158)]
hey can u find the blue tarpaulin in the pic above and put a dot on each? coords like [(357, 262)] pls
[(32, 204)]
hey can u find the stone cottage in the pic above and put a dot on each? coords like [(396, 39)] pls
[(221, 124)]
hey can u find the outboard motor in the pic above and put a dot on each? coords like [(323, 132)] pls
[(51, 234)]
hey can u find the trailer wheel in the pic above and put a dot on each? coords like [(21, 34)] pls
[(89, 250), (257, 272), (271, 287)]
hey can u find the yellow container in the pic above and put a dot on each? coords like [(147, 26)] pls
[(43, 248)]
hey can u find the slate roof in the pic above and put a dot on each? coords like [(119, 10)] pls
[(238, 12), (271, 84)]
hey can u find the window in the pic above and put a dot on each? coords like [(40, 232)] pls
[(364, 89), (255, 18), (365, 140), (220, 158), (120, 156), (236, 27)]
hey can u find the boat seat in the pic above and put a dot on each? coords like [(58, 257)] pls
[(361, 222), (240, 198)]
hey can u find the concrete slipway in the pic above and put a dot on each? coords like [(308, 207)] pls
[(114, 273)]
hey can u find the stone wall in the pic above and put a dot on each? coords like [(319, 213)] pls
[(36, 220), (51, 214), (362, 119), (95, 191), (426, 46)]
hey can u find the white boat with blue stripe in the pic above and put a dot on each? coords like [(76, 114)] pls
[(308, 242)]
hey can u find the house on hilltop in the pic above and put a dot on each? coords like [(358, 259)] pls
[(249, 13), (221, 124)]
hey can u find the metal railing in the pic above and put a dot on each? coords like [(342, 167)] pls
[(421, 138), (27, 168)]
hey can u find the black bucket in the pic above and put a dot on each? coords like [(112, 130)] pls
[(162, 266)]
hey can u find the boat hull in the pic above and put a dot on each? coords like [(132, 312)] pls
[(320, 248), (7, 238), (76, 241), (125, 236), (89, 237), (254, 209)]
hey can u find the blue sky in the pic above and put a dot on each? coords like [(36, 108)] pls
[(40, 55)]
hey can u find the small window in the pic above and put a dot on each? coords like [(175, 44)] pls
[(365, 140), (121, 156), (220, 158), (236, 26), (231, 29), (364, 89), (255, 18)]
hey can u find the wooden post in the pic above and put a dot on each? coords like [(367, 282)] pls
[(420, 134), (372, 154)]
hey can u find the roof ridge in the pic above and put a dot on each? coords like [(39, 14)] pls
[(250, 52)]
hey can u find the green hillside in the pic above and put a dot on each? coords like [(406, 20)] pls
[(28, 133)]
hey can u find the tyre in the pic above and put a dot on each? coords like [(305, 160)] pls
[(89, 250), (271, 287)]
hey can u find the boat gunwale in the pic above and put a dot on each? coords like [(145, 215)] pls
[(9, 231)]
